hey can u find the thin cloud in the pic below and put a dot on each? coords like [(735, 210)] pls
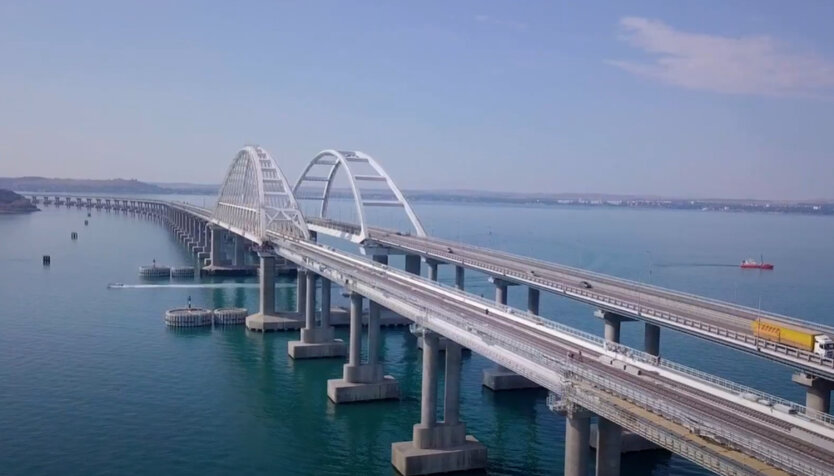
[(511, 24), (745, 65)]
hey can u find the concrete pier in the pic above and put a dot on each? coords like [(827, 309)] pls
[(316, 341), (432, 264), (412, 264), (651, 339), (817, 391), (459, 270), (533, 297), (362, 381), (267, 319), (609, 434), (577, 450), (500, 378), (439, 447), (240, 251), (216, 250)]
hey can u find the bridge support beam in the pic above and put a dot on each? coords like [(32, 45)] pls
[(316, 341), (432, 264), (459, 277), (651, 339), (216, 252), (609, 434), (362, 382), (240, 251), (412, 264), (533, 296), (301, 292), (817, 391), (439, 447), (577, 435), (501, 378)]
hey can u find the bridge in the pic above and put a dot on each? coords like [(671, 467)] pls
[(718, 424)]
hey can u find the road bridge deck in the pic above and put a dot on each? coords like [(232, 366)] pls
[(718, 321)]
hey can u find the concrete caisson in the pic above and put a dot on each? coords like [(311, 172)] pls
[(230, 316), (188, 317), (155, 271)]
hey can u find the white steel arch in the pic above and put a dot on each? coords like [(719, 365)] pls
[(255, 198), (336, 159)]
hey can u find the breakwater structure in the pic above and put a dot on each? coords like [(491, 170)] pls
[(716, 423)]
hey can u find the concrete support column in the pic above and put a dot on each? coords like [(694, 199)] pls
[(325, 302), (439, 447), (216, 252), (500, 292), (310, 300), (428, 400), (612, 327), (355, 347), (362, 382), (609, 447), (316, 341), (240, 251), (373, 332), (382, 259), (451, 396), (817, 391), (533, 301), (432, 269), (459, 277), (651, 339), (301, 291), (577, 450), (267, 284), (609, 434), (412, 264)]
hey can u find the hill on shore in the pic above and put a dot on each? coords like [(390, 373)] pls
[(49, 185), (11, 202)]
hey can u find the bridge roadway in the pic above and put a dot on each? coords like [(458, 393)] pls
[(718, 321), (541, 353)]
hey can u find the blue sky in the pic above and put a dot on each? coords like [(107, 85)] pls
[(685, 98)]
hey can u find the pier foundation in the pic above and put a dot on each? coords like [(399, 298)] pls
[(316, 341), (267, 319), (439, 447), (817, 391), (362, 381), (500, 378)]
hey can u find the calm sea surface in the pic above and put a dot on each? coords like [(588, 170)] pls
[(91, 381)]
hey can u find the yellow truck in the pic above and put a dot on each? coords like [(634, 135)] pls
[(793, 336)]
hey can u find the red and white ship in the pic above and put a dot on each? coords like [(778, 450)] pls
[(750, 263)]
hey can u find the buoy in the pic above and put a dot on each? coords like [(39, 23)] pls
[(47, 260), (89, 215), (86, 222), (74, 235)]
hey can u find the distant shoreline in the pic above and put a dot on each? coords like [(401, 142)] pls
[(41, 185)]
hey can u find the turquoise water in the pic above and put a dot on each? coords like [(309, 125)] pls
[(91, 382)]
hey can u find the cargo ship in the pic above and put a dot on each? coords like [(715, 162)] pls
[(750, 263)]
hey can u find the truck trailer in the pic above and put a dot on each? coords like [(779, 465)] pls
[(793, 336)]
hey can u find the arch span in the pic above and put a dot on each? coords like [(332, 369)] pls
[(255, 198), (333, 160)]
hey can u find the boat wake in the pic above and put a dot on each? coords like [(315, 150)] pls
[(696, 265), (188, 286)]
